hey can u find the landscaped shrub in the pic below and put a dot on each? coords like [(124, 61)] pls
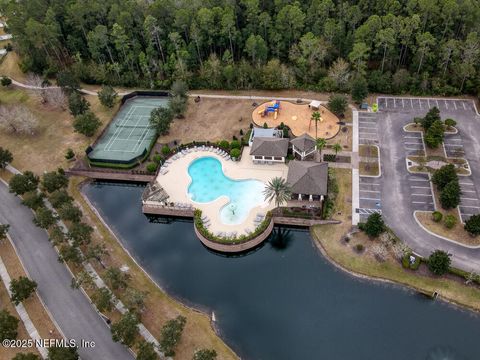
[(374, 225), (166, 150), (6, 81), (265, 125), (450, 123), (152, 167), (330, 157), (224, 144), (157, 159), (472, 225), (359, 248), (69, 154), (235, 144), (450, 221), (439, 262), (437, 216), (235, 153)]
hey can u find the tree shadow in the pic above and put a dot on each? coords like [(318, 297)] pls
[(280, 238)]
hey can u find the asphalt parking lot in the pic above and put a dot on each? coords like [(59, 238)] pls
[(469, 200), (370, 197), (414, 189), (370, 187), (367, 128), (421, 197), (413, 143), (408, 104), (454, 145)]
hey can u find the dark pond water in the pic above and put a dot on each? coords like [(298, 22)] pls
[(285, 301)]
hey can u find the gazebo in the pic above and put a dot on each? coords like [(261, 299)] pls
[(304, 145)]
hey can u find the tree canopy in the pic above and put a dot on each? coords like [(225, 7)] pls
[(420, 47)]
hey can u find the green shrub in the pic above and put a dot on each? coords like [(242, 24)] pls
[(265, 125), (450, 122), (374, 225), (6, 81), (329, 157), (69, 154), (224, 144), (157, 159), (235, 153), (439, 262), (359, 248), (437, 216), (472, 225), (166, 150), (235, 144), (416, 263), (406, 261), (450, 195), (152, 167), (450, 221)]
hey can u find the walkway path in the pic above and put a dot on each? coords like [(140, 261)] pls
[(70, 308), (27, 322)]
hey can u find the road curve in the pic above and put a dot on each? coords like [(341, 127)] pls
[(70, 308)]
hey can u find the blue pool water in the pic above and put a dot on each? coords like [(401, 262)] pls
[(209, 183)]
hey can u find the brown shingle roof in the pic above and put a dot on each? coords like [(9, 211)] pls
[(304, 142), (269, 147), (308, 177)]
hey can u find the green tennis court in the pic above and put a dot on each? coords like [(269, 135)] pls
[(128, 137)]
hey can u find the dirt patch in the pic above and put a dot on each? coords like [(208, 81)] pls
[(9, 67), (298, 118), (368, 168), (211, 120)]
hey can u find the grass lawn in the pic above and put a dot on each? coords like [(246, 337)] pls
[(46, 150), (368, 151), (368, 168), (160, 307), (329, 239)]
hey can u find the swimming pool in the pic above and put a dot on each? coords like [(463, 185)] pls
[(209, 183)]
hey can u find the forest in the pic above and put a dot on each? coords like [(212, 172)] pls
[(393, 46)]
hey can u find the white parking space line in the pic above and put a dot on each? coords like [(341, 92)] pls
[(366, 183), (412, 137), (464, 108), (424, 180), (455, 104), (450, 139), (464, 198), (372, 191), (446, 104), (421, 202), (464, 183), (412, 143), (421, 195), (468, 191), (472, 207), (420, 187)]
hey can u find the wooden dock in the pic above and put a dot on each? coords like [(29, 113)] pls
[(111, 175)]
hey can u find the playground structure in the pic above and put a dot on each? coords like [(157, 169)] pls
[(274, 107), (298, 117)]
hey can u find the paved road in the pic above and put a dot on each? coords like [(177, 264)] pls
[(398, 205), (70, 308)]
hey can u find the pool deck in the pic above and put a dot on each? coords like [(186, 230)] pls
[(176, 181)]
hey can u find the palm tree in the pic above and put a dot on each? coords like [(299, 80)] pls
[(277, 189), (321, 142), (337, 147), (315, 117)]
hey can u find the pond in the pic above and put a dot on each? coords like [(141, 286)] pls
[(285, 301)]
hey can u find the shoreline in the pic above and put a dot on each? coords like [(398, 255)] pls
[(320, 246), (179, 301)]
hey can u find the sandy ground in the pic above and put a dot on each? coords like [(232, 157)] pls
[(177, 180), (212, 120), (297, 117)]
